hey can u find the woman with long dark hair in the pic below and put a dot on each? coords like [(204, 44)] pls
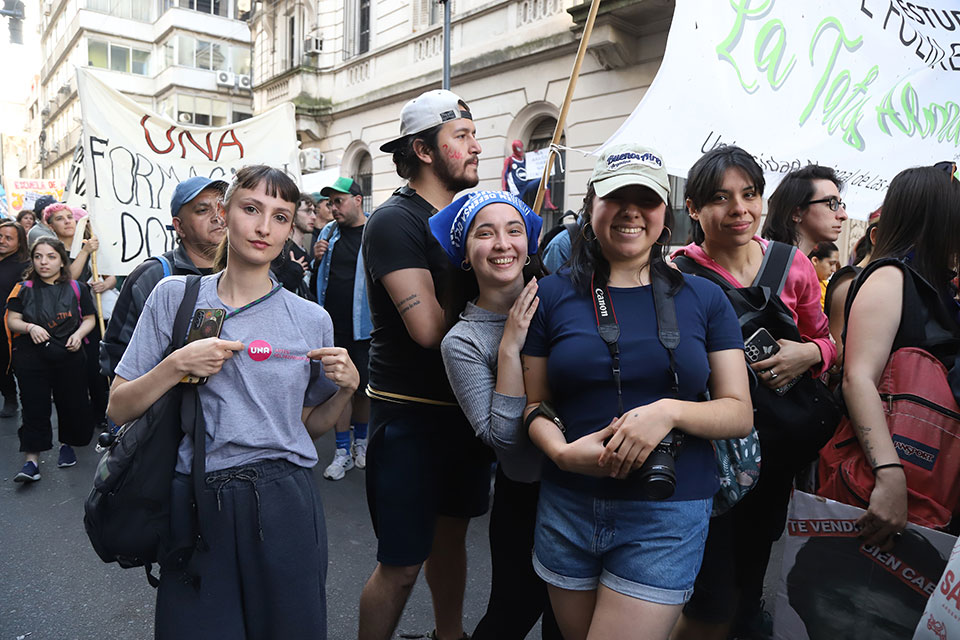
[(918, 243), (49, 316), (606, 389), (261, 569), (14, 260), (724, 197), (806, 208)]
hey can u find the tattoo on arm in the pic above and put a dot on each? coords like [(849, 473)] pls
[(868, 451), (408, 303)]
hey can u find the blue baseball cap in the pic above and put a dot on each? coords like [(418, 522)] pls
[(190, 189), (450, 225)]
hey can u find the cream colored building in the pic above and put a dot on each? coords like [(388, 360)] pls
[(349, 65)]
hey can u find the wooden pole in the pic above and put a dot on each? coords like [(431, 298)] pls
[(581, 52), (96, 277)]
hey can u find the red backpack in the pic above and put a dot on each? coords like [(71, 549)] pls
[(921, 412), (924, 422)]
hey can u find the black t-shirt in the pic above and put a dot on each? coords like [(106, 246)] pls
[(53, 307), (11, 272), (397, 236), (289, 272), (338, 300)]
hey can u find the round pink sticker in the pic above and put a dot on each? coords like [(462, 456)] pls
[(259, 350)]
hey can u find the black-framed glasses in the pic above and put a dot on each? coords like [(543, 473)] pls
[(833, 202)]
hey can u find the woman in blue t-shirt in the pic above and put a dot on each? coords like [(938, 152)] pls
[(618, 563), (260, 568)]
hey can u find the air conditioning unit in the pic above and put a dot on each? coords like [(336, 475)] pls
[(55, 148), (313, 45), (245, 82), (226, 79), (64, 88), (186, 118), (311, 160), (45, 112), (47, 8)]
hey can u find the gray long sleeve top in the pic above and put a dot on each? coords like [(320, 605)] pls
[(469, 353)]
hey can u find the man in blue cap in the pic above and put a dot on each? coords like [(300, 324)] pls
[(199, 229)]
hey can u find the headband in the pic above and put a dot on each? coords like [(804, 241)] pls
[(451, 224)]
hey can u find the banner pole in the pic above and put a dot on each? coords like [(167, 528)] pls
[(561, 120), (96, 277)]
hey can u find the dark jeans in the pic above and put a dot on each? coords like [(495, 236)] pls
[(97, 384), (263, 574), (517, 594), (37, 378), (8, 387)]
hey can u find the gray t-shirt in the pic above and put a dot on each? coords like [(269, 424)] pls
[(252, 406)]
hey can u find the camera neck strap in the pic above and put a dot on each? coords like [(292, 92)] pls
[(668, 330)]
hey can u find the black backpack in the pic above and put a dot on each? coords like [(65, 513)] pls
[(792, 427), (127, 514)]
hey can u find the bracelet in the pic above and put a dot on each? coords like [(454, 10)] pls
[(886, 466)]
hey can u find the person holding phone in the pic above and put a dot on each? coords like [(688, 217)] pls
[(724, 197), (49, 315), (275, 382)]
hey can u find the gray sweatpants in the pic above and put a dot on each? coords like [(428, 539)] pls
[(264, 573)]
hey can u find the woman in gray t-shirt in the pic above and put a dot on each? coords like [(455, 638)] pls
[(492, 235), (276, 382)]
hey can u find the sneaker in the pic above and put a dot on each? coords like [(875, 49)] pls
[(342, 462), (67, 457), (29, 473), (9, 407), (360, 453)]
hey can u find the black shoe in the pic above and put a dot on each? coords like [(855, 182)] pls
[(9, 407)]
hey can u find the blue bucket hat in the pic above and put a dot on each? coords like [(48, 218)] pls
[(450, 224)]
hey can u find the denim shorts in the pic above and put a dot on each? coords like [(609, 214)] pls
[(649, 550)]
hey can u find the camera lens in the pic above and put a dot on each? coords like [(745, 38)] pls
[(658, 475)]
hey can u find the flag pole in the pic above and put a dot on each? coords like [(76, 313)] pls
[(561, 120)]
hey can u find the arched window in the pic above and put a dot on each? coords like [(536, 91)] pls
[(363, 175), (540, 138)]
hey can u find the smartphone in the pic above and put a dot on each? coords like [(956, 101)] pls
[(206, 323), (760, 346)]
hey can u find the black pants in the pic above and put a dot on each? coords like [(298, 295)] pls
[(37, 378), (517, 594), (264, 573), (97, 384), (8, 387), (735, 559)]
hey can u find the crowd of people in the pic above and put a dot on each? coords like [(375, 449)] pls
[(586, 391)]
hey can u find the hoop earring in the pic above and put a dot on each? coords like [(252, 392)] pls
[(669, 237), (527, 263), (465, 265), (583, 232)]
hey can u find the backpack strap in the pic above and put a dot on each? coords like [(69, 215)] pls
[(572, 229), (688, 265), (167, 269), (6, 327), (775, 266)]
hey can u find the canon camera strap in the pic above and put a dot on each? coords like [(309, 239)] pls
[(667, 330)]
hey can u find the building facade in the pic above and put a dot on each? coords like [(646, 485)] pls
[(186, 59), (349, 66)]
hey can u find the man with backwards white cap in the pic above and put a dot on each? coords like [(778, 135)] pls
[(427, 474)]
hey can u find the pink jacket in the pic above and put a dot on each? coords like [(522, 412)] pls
[(801, 294)]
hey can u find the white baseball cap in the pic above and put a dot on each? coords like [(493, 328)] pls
[(426, 111), (630, 164)]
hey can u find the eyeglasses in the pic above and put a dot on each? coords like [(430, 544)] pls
[(833, 202)]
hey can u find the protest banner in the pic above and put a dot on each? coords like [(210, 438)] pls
[(869, 87), (832, 585), (133, 159), (941, 618), (22, 194)]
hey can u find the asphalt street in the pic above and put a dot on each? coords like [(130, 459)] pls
[(54, 587)]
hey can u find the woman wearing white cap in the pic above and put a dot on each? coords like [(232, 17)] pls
[(619, 543)]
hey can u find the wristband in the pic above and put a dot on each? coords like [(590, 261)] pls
[(886, 466), (546, 411)]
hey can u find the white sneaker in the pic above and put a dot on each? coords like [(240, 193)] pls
[(360, 453), (342, 462)]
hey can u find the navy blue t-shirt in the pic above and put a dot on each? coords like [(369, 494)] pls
[(579, 370)]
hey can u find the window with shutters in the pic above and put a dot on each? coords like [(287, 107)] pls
[(540, 138), (357, 24), (428, 13)]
